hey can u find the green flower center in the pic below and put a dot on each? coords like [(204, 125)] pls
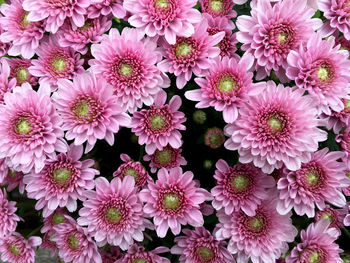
[(22, 75), (73, 242), (113, 215), (25, 21), (227, 84), (239, 182), (216, 5), (215, 139), (62, 175), (125, 69), (171, 201), (86, 26), (12, 174), (328, 217), (58, 219), (157, 122), (275, 124), (347, 104), (131, 172), (183, 49), (140, 260), (314, 258), (162, 4), (205, 253), (23, 126), (256, 223), (58, 64), (83, 108), (282, 37), (163, 156), (323, 73), (312, 178), (348, 174), (14, 250)]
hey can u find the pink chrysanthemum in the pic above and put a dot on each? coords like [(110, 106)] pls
[(191, 55), (22, 33), (317, 245), (8, 218), (113, 214), (48, 244), (135, 169), (346, 160), (138, 254), (338, 120), (5, 84), (168, 158), (127, 62), (16, 249), (198, 246), (160, 124), (57, 217), (89, 110), (335, 216), (276, 127), (262, 238), (111, 256), (19, 71), (168, 18), (62, 181), (174, 200), (12, 180), (29, 129), (344, 140), (272, 31), (323, 70), (106, 8), (214, 138), (219, 8), (242, 186), (4, 47), (3, 170), (55, 12), (316, 182), (79, 38)]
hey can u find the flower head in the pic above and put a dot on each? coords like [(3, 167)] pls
[(8, 218), (335, 216), (218, 8), (20, 71), (12, 180), (338, 120), (6, 85), (100, 8), (214, 138), (138, 254), (57, 217)]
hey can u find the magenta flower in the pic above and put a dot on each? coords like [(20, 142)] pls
[(129, 67), (100, 8), (262, 238), (89, 110), (219, 8), (174, 200), (8, 220), (272, 31), (6, 85), (191, 55), (20, 71), (62, 181), (138, 253), (168, 18), (281, 117), (22, 33), (113, 214), (198, 246), (160, 124)]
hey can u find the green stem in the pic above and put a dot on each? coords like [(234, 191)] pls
[(142, 151), (347, 232), (35, 231)]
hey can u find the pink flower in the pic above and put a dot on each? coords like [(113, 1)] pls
[(276, 127), (262, 238), (100, 8), (56, 12), (48, 244), (22, 33), (6, 85), (4, 47), (174, 200), (4, 170), (316, 182), (242, 186), (160, 124), (30, 129), (219, 8), (344, 140), (214, 138), (338, 120), (168, 18), (272, 31), (57, 217), (335, 216), (346, 190), (111, 256), (344, 43), (19, 71), (191, 55), (12, 180), (62, 181), (198, 246), (8, 219), (113, 214), (138, 253), (129, 66), (89, 110)]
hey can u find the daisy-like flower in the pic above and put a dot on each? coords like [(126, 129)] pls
[(30, 129), (55, 12), (22, 33), (12, 180), (106, 7), (272, 31), (262, 238), (335, 216), (344, 43), (198, 246), (160, 124), (316, 182), (6, 85), (317, 245), (89, 110), (338, 120), (16, 249), (8, 220), (62, 181), (168, 18), (57, 217), (19, 71), (113, 213), (168, 158), (214, 138), (241, 187), (4, 47), (174, 200), (78, 38), (139, 254), (219, 8), (276, 127), (129, 66), (191, 55)]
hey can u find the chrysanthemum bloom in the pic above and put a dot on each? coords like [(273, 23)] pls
[(160, 124), (335, 216), (344, 43), (4, 47), (262, 238), (272, 31), (323, 70), (347, 217), (168, 158), (12, 180), (78, 38), (19, 71), (48, 244), (242, 186), (89, 110), (55, 12), (110, 256), (214, 138), (22, 33), (29, 129), (276, 127), (113, 214), (344, 140), (106, 7), (16, 249), (174, 200), (3, 170), (168, 18), (191, 55), (317, 245), (346, 190), (138, 254), (75, 243), (62, 181), (6, 85), (8, 220), (135, 169), (338, 120), (129, 66), (219, 8), (57, 217), (198, 246), (316, 182)]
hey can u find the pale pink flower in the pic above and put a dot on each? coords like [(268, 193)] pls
[(8, 218)]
